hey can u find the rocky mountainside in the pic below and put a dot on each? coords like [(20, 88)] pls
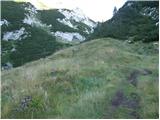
[(28, 33), (65, 21), (135, 21)]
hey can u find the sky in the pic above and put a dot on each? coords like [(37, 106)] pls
[(97, 10)]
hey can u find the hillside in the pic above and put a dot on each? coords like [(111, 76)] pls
[(68, 21), (102, 78), (134, 21), (28, 34)]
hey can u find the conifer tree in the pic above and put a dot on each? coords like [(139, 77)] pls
[(114, 10)]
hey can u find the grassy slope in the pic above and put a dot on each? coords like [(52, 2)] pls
[(91, 80)]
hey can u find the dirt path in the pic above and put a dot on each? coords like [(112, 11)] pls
[(131, 102), (134, 75)]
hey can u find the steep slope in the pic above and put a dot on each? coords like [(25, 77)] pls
[(103, 78), (68, 21), (136, 21), (29, 34), (24, 37)]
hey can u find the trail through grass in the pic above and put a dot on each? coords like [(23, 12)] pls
[(103, 78)]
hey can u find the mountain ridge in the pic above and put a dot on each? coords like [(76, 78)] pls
[(20, 22), (134, 21)]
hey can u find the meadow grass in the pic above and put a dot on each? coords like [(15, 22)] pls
[(81, 82)]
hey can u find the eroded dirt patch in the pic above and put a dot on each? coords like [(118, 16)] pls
[(131, 101), (133, 77)]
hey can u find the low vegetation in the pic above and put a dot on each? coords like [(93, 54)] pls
[(103, 78)]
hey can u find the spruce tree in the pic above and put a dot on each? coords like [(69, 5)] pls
[(114, 10)]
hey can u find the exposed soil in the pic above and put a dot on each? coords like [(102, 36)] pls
[(131, 102), (118, 99), (134, 75)]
